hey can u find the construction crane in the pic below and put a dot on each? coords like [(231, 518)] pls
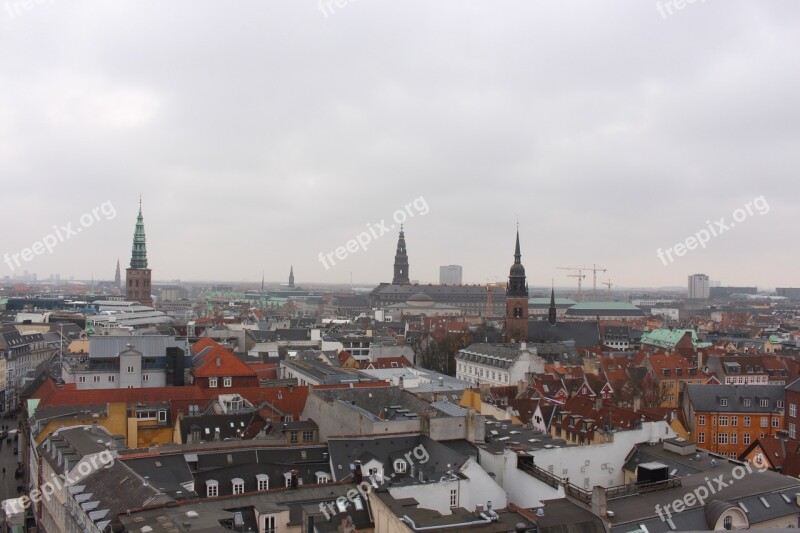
[(595, 269), (608, 284), (580, 275)]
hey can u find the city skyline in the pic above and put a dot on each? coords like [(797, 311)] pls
[(273, 133)]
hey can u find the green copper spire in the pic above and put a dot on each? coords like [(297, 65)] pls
[(139, 254)]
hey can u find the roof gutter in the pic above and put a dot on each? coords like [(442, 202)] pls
[(485, 519)]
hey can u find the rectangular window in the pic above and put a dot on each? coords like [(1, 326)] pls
[(293, 436), (213, 491), (746, 438), (747, 421), (775, 422), (723, 402), (734, 420), (238, 488), (145, 377), (792, 430), (81, 379), (734, 437), (263, 483), (701, 437), (130, 370), (308, 436), (701, 420), (227, 382), (96, 379), (764, 402), (722, 438), (111, 379), (453, 497), (269, 524), (162, 416), (723, 420), (764, 421), (792, 410), (212, 383)]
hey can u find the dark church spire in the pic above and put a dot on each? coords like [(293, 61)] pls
[(517, 286), (291, 277), (551, 313), (401, 261), (139, 253)]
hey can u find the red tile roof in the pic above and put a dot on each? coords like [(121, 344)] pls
[(290, 400), (265, 370), (216, 361), (386, 362)]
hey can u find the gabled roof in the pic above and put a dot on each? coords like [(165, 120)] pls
[(212, 360)]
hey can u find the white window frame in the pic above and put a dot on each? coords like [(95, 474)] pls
[(263, 482), (270, 522), (227, 382), (212, 383)]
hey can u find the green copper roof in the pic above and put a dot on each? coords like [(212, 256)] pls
[(607, 306), (665, 338), (139, 253), (546, 301)]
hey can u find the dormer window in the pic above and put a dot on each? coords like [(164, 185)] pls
[(212, 383), (322, 477), (747, 402), (400, 466), (212, 488), (723, 402), (238, 485), (287, 478), (262, 480), (764, 402), (227, 382)]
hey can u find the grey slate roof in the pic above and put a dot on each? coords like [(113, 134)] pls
[(708, 397), (584, 334), (168, 473), (386, 450)]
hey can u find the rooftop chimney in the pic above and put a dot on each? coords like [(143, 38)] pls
[(599, 502)]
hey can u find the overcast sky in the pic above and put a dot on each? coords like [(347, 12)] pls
[(261, 134)]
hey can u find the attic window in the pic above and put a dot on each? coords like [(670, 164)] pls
[(764, 501), (400, 466), (723, 402), (238, 485), (212, 488), (263, 481)]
